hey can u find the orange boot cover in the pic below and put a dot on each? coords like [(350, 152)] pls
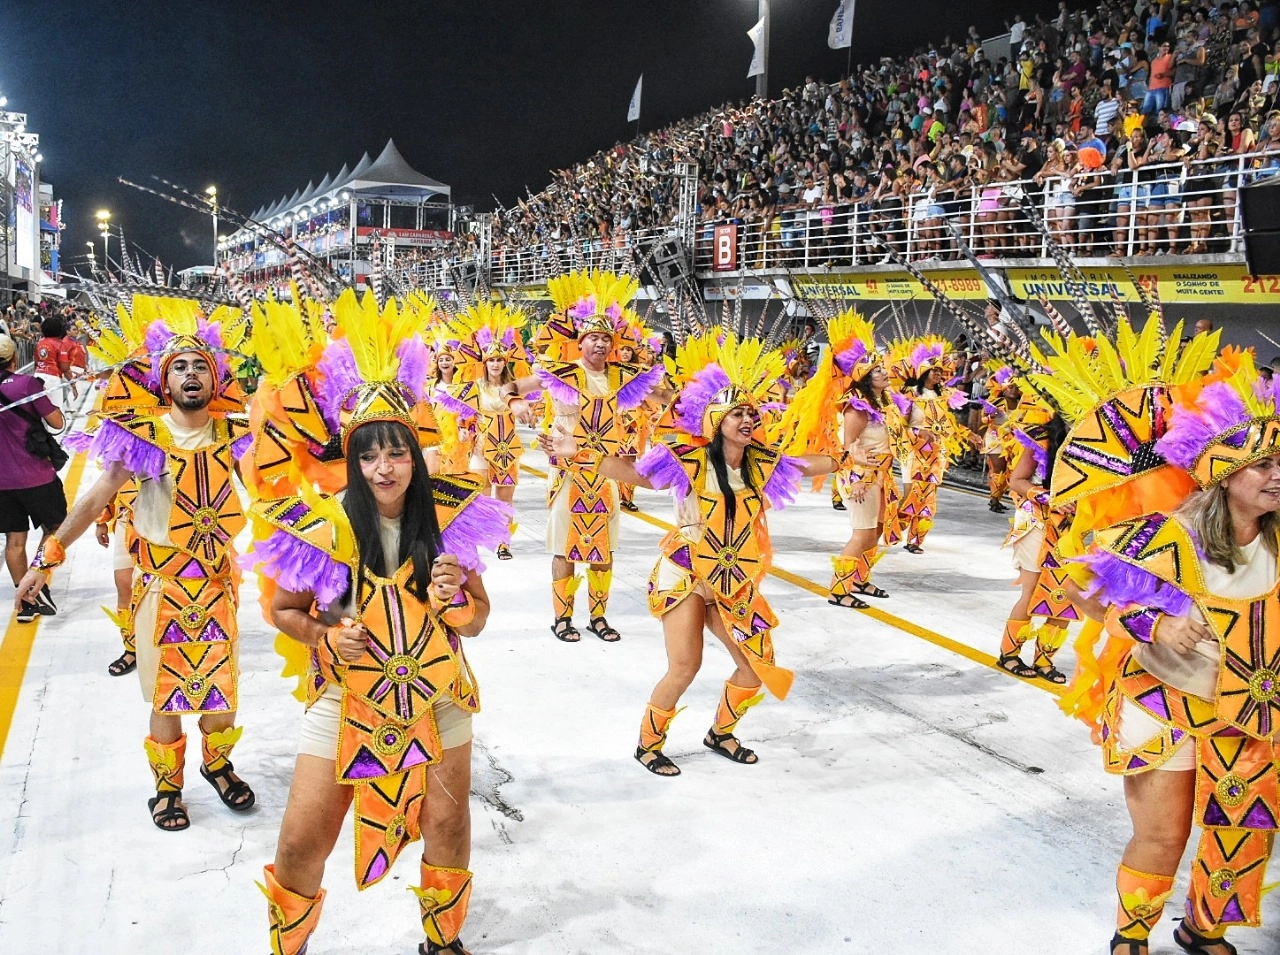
[(1049, 640), (562, 592), (598, 582), (1226, 880), (866, 560), (1142, 899), (998, 483), (293, 917), (123, 619), (918, 509), (1016, 633), (843, 575), (443, 899), (168, 761), (734, 702), (653, 728), (216, 746)]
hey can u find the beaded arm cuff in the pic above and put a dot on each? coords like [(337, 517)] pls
[(457, 613), (50, 555)]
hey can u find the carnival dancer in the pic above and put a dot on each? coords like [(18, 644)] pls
[(1175, 475), (933, 433), (999, 446), (1037, 528), (455, 451), (489, 343), (851, 380), (185, 516), (111, 530), (587, 393), (376, 589), (723, 477)]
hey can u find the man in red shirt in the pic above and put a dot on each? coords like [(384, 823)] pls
[(52, 363), (31, 494), (1161, 84)]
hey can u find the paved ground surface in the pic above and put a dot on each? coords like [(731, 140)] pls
[(909, 797)]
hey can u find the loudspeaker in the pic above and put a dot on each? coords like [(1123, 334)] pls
[(1260, 220)]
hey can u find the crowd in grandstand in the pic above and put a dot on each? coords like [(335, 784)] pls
[(1127, 127)]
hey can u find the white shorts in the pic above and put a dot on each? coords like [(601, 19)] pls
[(121, 559), (864, 514), (319, 734), (1137, 726)]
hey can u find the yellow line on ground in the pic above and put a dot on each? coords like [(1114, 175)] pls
[(906, 626), (15, 650)]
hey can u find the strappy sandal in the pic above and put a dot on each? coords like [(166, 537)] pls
[(1012, 663), (913, 549), (1198, 944), (658, 763), (169, 812), (869, 589), (1052, 674), (127, 662), (996, 507), (740, 754), (628, 506), (1132, 946), (237, 796), (849, 602), (568, 632), (453, 948), (600, 627), (503, 552)]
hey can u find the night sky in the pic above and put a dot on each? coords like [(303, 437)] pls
[(259, 97)]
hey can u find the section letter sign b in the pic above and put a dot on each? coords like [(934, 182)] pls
[(725, 256)]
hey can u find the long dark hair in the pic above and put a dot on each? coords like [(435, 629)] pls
[(419, 529), (1056, 430), (715, 454), (865, 390)]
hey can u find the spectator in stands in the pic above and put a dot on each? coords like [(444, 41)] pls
[(1159, 89), (31, 494)]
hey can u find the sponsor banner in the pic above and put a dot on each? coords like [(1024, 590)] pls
[(405, 236), (720, 293), (1207, 284)]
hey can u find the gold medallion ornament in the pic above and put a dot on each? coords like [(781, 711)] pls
[(1232, 790), (1222, 882), (402, 668)]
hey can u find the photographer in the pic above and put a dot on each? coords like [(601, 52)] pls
[(31, 493)]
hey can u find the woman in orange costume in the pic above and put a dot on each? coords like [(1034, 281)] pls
[(723, 478), (479, 398), (932, 431), (1037, 528), (457, 434), (377, 589)]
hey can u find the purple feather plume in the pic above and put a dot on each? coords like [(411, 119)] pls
[(859, 403), (155, 341), (1037, 451), (484, 522), (338, 377), (446, 400), (414, 359), (77, 441), (637, 389), (661, 468), (1117, 582), (298, 566), (559, 389), (784, 482), (846, 359), (696, 395), (957, 400), (1218, 408), (116, 445), (902, 401)]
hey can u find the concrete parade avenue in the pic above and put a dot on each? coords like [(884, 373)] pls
[(910, 797)]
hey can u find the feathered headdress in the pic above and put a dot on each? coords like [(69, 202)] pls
[(487, 330), (376, 370), (721, 374), (593, 302), (912, 358), (1227, 424)]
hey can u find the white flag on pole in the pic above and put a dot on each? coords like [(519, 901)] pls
[(633, 111), (840, 34), (757, 57)]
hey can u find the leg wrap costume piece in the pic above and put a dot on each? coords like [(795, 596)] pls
[(852, 572), (1016, 633), (919, 506), (292, 917), (168, 763), (1142, 897), (443, 899), (734, 702), (598, 582), (216, 747), (562, 591), (123, 619), (653, 728)]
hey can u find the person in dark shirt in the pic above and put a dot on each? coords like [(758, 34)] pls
[(31, 493)]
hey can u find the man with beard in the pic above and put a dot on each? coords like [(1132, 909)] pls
[(185, 517)]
